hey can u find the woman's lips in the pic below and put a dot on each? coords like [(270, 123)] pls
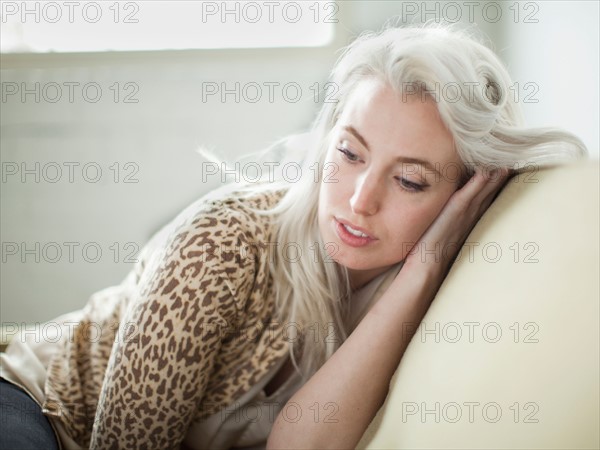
[(350, 239)]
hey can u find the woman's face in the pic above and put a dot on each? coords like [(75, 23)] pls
[(390, 168)]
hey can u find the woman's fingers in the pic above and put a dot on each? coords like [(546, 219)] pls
[(493, 184), (484, 181), (463, 210), (477, 194)]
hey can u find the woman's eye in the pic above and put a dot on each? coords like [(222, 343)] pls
[(348, 154), (409, 185)]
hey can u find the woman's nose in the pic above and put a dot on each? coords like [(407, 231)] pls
[(367, 195)]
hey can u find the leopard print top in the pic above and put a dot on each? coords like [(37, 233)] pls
[(183, 336)]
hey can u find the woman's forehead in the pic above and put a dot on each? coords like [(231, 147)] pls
[(381, 119)]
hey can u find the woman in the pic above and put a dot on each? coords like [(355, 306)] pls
[(261, 308)]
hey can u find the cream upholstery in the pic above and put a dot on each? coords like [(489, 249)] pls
[(542, 291)]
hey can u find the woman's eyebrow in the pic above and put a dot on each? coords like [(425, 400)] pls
[(350, 129), (403, 159)]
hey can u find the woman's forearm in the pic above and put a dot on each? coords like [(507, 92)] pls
[(340, 400)]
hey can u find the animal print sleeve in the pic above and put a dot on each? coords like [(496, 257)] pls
[(157, 373)]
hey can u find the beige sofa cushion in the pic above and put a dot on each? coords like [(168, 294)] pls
[(508, 354)]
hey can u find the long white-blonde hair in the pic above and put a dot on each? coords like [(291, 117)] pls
[(471, 88)]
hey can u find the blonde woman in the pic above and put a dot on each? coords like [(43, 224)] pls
[(258, 302)]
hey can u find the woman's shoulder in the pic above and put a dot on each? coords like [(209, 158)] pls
[(232, 208), (255, 195), (222, 228)]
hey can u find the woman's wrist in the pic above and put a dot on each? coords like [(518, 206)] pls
[(415, 287)]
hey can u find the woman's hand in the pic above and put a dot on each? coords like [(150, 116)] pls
[(439, 245)]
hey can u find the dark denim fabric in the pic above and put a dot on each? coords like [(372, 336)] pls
[(22, 423)]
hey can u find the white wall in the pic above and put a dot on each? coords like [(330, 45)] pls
[(559, 55), (160, 132)]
